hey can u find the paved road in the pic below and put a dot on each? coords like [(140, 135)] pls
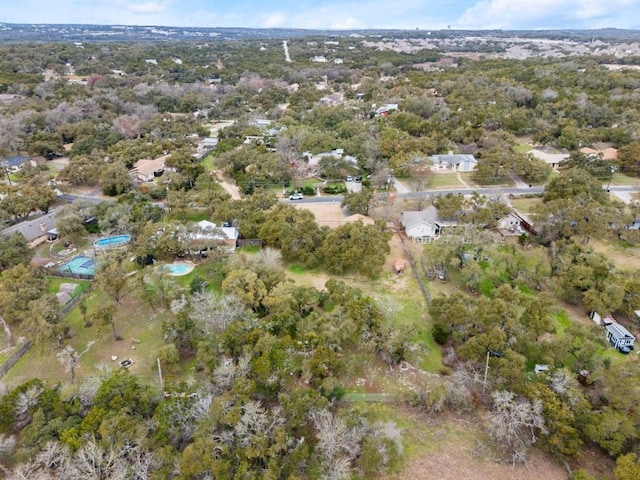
[(489, 191)]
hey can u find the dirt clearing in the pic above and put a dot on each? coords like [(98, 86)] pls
[(456, 449), (327, 214)]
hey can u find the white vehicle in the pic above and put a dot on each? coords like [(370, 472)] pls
[(296, 196), (349, 178)]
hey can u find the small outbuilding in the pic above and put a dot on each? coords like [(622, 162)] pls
[(398, 266)]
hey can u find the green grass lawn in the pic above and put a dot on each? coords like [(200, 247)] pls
[(562, 321), (55, 282), (197, 215), (445, 180), (139, 326), (526, 204), (297, 269), (522, 147), (622, 179), (209, 162)]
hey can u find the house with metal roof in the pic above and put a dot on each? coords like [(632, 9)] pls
[(454, 162), (618, 336)]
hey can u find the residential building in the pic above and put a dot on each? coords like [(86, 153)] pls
[(424, 225), (384, 110), (454, 162), (551, 159), (314, 159), (210, 234), (146, 170), (618, 336), (16, 163)]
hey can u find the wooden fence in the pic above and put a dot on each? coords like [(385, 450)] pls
[(14, 357)]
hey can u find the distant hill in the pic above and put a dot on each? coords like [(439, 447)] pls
[(84, 33)]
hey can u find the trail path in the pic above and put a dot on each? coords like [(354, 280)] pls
[(230, 188), (285, 46)]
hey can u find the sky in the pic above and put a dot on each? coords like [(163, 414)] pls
[(334, 14)]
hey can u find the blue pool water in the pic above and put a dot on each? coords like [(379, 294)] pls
[(79, 264), (177, 269), (112, 241)]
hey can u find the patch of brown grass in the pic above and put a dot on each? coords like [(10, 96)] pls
[(449, 448)]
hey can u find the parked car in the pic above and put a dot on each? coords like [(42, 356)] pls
[(624, 350), (359, 178), (348, 178), (296, 196)]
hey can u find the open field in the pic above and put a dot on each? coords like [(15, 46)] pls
[(624, 258), (137, 324), (525, 205), (448, 448), (327, 214)]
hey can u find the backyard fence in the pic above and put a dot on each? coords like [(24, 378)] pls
[(74, 301), (66, 274), (249, 242), (14, 357)]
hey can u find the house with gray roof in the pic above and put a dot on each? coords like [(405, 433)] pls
[(14, 164), (36, 230), (425, 225), (618, 336), (454, 162)]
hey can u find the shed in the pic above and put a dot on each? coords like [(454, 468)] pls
[(398, 266), (619, 336), (63, 298)]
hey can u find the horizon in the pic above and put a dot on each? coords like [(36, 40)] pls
[(312, 29), (328, 15)]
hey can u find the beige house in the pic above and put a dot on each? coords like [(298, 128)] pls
[(146, 170)]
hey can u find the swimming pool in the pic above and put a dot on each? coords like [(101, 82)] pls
[(80, 264), (177, 269), (112, 242)]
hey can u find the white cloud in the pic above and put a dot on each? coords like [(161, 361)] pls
[(514, 14), (147, 7), (274, 20)]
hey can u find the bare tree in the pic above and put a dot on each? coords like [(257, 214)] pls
[(24, 405), (70, 358), (514, 424), (215, 312)]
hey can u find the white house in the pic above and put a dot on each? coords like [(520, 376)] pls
[(314, 159), (454, 162), (209, 233), (206, 145), (619, 336), (423, 226), (383, 110), (551, 159)]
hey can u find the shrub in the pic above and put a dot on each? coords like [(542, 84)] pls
[(440, 334)]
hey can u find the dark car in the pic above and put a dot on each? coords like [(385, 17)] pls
[(359, 178), (624, 350)]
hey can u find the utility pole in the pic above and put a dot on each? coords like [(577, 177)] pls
[(486, 372), (160, 376), (5, 167)]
